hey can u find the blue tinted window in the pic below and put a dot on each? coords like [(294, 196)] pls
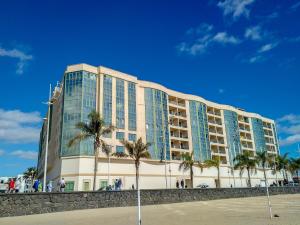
[(131, 106), (157, 131), (120, 149), (120, 135), (232, 134), (131, 137), (120, 112), (199, 125), (79, 101), (107, 99)]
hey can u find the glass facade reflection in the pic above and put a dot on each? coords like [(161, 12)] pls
[(107, 99), (79, 101), (258, 134), (131, 106), (232, 134), (199, 127), (157, 131), (120, 103)]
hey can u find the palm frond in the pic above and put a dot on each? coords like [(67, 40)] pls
[(79, 137)]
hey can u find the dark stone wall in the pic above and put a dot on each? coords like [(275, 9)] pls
[(36, 203)]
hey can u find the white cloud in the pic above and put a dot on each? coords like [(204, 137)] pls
[(2, 152), (295, 6), (235, 8), (25, 154), (19, 127), (221, 91), (224, 38), (293, 139), (267, 47), (201, 38), (253, 33), (289, 127), (290, 118), (17, 54), (257, 58)]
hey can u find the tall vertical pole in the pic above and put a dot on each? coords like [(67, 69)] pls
[(166, 167), (139, 222), (47, 141), (108, 177), (232, 167)]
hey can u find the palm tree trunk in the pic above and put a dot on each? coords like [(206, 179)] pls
[(192, 176), (138, 194), (249, 177), (95, 167), (268, 195), (137, 174), (219, 180), (108, 171)]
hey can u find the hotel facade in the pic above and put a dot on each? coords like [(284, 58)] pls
[(171, 121)]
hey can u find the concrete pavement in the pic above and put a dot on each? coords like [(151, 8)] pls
[(243, 211)]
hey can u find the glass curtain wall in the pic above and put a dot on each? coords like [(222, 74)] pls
[(232, 134), (131, 106), (258, 134), (79, 101), (199, 126), (157, 127)]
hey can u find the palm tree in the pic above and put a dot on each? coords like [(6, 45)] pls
[(137, 150), (107, 151), (94, 130), (282, 164), (187, 164), (294, 166), (214, 162), (245, 161), (263, 159)]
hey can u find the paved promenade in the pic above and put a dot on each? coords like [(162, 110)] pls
[(245, 211)]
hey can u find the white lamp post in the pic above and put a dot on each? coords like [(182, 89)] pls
[(47, 141)]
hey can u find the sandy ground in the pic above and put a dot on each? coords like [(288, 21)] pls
[(244, 211)]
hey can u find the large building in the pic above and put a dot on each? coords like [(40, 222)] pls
[(171, 121)]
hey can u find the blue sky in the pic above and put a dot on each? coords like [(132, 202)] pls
[(243, 53)]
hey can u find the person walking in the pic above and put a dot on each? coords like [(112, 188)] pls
[(119, 184), (177, 184), (36, 185), (49, 186), (40, 187), (17, 185), (11, 186), (182, 183), (62, 185)]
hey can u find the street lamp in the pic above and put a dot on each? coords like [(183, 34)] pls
[(49, 103), (165, 159)]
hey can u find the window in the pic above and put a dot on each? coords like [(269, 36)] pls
[(69, 186), (120, 149), (120, 135), (86, 185), (103, 184), (132, 137)]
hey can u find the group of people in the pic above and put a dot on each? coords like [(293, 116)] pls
[(181, 184), (14, 185), (38, 186)]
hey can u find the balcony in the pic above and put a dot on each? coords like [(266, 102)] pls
[(177, 101), (243, 119), (179, 145), (215, 121), (214, 111)]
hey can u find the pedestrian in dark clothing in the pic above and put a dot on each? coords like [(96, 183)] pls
[(177, 184), (182, 184), (36, 185)]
